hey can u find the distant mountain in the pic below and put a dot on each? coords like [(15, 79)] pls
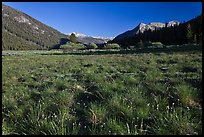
[(83, 38), (78, 34), (171, 33), (142, 27), (22, 32)]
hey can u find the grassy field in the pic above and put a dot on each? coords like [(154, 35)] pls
[(112, 94)]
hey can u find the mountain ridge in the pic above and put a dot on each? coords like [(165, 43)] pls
[(171, 34), (141, 27)]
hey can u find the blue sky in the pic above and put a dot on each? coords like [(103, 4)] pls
[(106, 19)]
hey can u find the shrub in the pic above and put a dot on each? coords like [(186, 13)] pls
[(92, 46), (72, 46), (157, 44), (112, 46)]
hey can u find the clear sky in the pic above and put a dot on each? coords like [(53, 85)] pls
[(106, 19)]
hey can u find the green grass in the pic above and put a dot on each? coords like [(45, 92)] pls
[(108, 94)]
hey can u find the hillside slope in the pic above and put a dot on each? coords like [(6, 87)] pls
[(22, 32)]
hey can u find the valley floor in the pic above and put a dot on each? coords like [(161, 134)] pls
[(111, 94)]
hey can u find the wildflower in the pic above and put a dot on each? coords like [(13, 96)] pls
[(157, 106), (55, 116)]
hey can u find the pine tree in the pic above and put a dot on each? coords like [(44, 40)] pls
[(141, 44), (189, 33), (195, 39), (73, 38)]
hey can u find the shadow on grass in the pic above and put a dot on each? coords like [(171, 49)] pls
[(183, 48), (82, 107)]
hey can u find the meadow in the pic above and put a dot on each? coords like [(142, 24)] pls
[(106, 94)]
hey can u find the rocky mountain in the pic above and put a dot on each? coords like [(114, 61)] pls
[(22, 32), (142, 27), (83, 38), (171, 33)]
